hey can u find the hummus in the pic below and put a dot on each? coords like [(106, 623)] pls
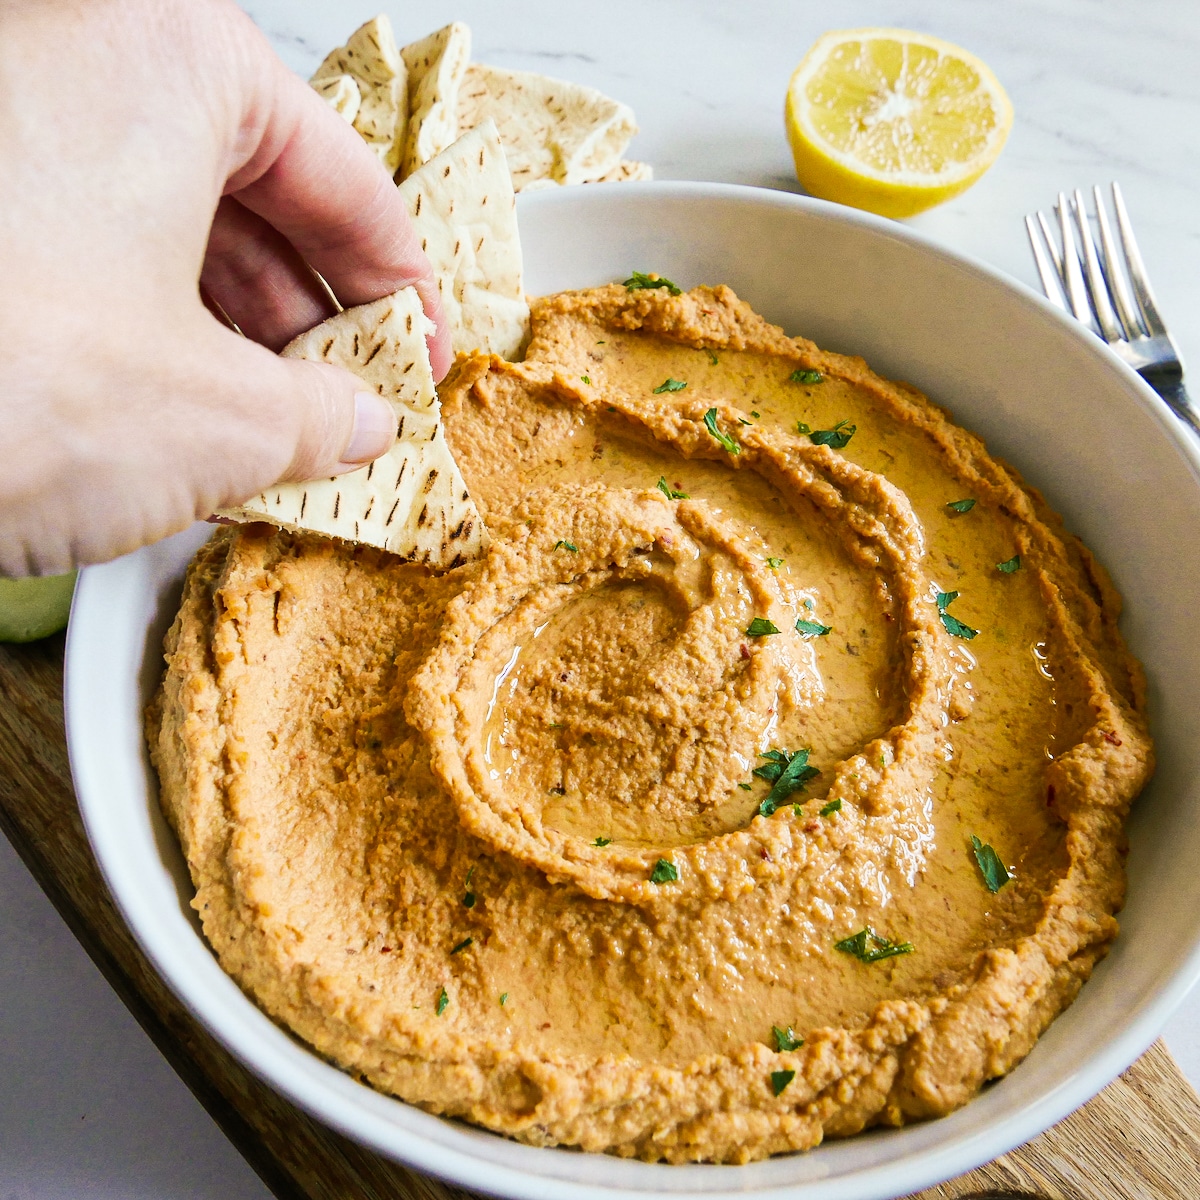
[(493, 840)]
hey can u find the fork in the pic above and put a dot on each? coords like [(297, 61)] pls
[(1098, 291)]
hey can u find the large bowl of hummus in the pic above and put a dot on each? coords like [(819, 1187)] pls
[(756, 805)]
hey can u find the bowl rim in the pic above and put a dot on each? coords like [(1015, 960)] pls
[(270, 1052)]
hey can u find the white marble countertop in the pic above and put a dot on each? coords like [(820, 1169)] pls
[(1102, 89)]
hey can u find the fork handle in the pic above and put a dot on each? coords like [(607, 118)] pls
[(1175, 394)]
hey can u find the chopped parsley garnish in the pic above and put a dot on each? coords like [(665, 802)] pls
[(468, 895), (774, 563), (469, 900), (798, 810), (812, 628), (565, 545), (712, 358), (462, 945), (602, 842), (743, 421), (670, 385), (754, 414), (1010, 565), (746, 787), (836, 438), (990, 867), (953, 625), (803, 375), (503, 999), (867, 946), (761, 627), (442, 1001), (670, 492), (664, 871), (586, 380), (780, 1080), (727, 443), (961, 506), (787, 772), (638, 280), (785, 1040), (827, 810)]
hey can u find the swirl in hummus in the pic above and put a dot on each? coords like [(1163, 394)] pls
[(493, 840)]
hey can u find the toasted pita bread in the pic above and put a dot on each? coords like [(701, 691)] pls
[(551, 130), (412, 501), (341, 93), (464, 211), (626, 172), (436, 66), (372, 62)]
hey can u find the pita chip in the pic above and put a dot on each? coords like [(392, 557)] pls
[(373, 64), (627, 172), (560, 132), (464, 211), (412, 501), (436, 66), (341, 93)]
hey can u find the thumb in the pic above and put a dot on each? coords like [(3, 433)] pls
[(281, 419), (337, 422)]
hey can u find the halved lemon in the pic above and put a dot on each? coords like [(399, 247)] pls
[(893, 121), (36, 607)]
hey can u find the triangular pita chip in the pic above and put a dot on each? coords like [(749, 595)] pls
[(436, 66), (412, 501), (552, 130), (464, 211), (341, 93), (627, 172), (371, 60)]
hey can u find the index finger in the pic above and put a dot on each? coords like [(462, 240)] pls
[(312, 177)]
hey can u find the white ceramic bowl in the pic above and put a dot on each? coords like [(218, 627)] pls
[(1045, 395)]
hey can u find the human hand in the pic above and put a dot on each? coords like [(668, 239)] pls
[(146, 147)]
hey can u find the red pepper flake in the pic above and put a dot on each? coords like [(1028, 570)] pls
[(764, 853), (812, 826), (547, 1025), (1112, 738), (1050, 796), (385, 949), (744, 650)]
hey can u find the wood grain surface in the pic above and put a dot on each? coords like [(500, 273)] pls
[(1138, 1140)]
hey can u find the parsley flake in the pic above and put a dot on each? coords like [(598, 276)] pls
[(637, 280), (803, 427), (664, 871), (746, 787), (503, 999), (754, 414), (469, 900), (442, 1001), (462, 945), (990, 867), (670, 492), (586, 380), (836, 438), (787, 772), (774, 563), (602, 842), (565, 545), (803, 375), (785, 1040), (727, 443), (780, 1080), (712, 358), (812, 628), (670, 385), (1011, 565), (827, 810), (867, 946), (961, 506), (761, 627), (468, 895), (953, 625)]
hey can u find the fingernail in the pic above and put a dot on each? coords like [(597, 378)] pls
[(374, 429)]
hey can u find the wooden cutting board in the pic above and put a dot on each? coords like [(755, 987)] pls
[(1138, 1140)]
